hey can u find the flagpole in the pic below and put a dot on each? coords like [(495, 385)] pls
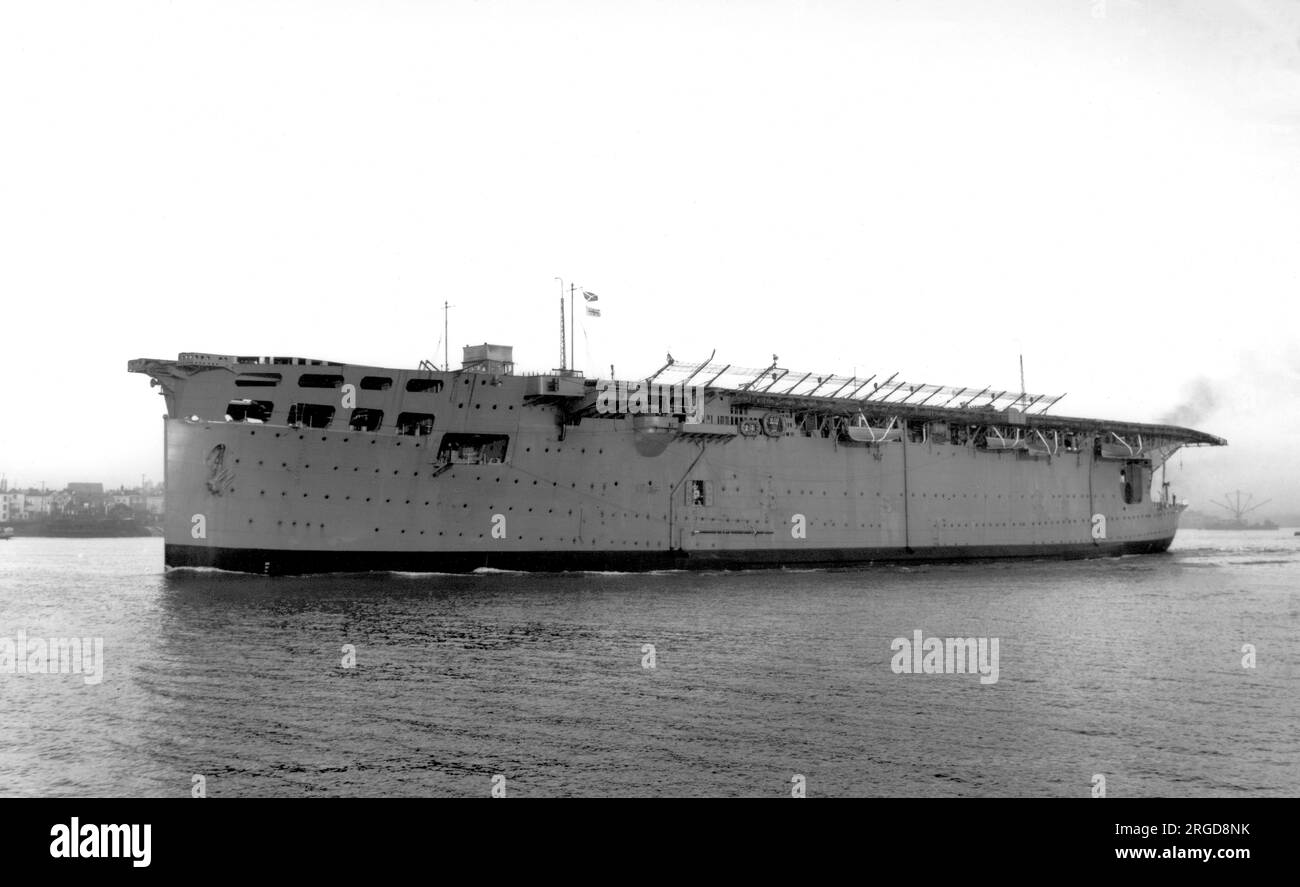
[(573, 331)]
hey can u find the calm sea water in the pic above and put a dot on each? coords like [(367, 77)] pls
[(1129, 667)]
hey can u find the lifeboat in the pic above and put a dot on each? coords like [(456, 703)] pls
[(863, 431), (994, 439), (1039, 444), (1116, 447)]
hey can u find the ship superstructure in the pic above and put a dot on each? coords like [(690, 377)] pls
[(292, 465)]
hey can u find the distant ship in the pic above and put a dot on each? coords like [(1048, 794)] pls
[(291, 465), (1239, 510)]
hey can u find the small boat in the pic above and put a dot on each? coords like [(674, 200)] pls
[(862, 431), (8, 532), (1116, 447), (995, 440)]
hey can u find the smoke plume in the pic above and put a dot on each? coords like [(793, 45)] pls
[(1199, 402)]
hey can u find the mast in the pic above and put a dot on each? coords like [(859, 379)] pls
[(564, 341), (1238, 510), (1022, 380), (573, 331), (446, 344)]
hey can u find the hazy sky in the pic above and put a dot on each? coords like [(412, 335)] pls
[(1111, 188)]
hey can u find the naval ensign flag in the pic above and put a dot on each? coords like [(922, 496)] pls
[(591, 297)]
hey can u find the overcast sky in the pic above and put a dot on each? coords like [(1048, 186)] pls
[(1110, 188)]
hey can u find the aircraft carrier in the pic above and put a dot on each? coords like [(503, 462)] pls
[(290, 465)]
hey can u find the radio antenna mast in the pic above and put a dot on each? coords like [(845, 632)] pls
[(564, 339), (446, 342), (1022, 378)]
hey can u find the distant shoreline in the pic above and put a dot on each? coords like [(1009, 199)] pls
[(81, 528)]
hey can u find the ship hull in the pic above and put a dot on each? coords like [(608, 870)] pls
[(295, 501)]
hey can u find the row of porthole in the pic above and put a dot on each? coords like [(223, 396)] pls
[(592, 486), (325, 438), (947, 524), (465, 505), (396, 471), (459, 534), (1046, 523), (658, 544), (348, 498), (599, 452), (638, 516), (999, 495), (935, 495), (634, 542), (790, 492), (307, 467)]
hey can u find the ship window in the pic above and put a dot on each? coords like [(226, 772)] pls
[(319, 380), (699, 492), (311, 415), (419, 424), (257, 380), (418, 385), (248, 410), (366, 420), (376, 383), (473, 448)]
